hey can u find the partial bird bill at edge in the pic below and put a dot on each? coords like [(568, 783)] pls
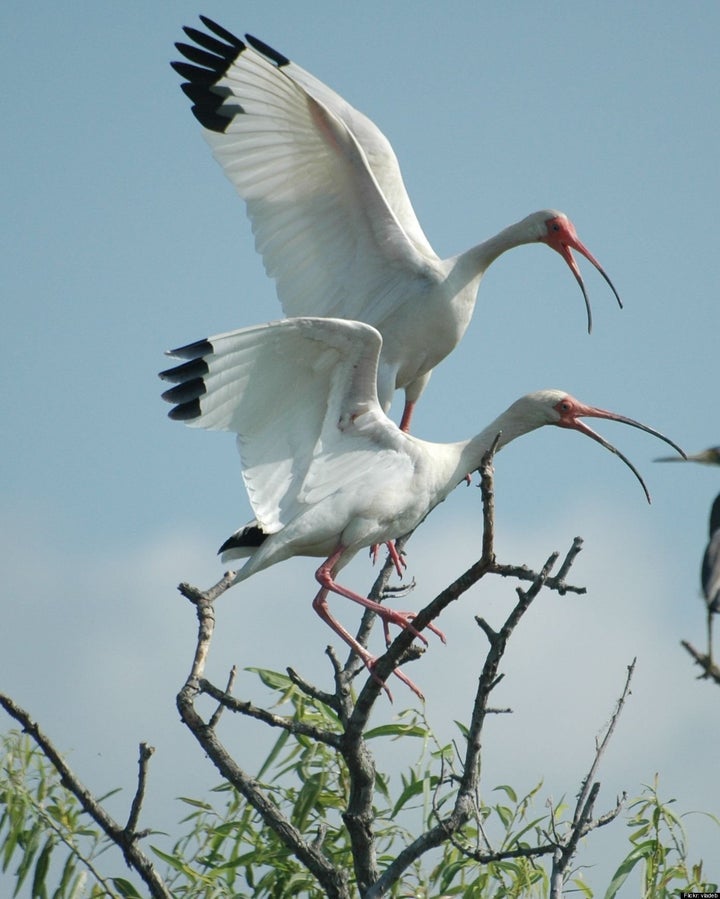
[(591, 412), (710, 456)]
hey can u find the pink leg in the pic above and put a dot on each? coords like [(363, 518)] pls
[(321, 607), (407, 415), (324, 576)]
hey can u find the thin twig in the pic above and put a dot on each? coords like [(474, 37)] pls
[(143, 761), (215, 718), (328, 699), (603, 744), (243, 707), (582, 822)]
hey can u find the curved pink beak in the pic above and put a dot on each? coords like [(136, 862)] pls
[(562, 237), (572, 410)]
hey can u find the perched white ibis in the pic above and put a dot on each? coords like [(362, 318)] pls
[(710, 570), (331, 216), (327, 472)]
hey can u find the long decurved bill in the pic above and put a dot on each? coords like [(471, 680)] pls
[(562, 237), (571, 411), (708, 457)]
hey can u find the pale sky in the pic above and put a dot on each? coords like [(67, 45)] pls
[(122, 238)]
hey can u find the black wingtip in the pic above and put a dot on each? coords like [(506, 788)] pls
[(195, 368), (223, 33), (278, 58), (252, 535), (186, 411), (185, 392), (189, 380), (195, 350)]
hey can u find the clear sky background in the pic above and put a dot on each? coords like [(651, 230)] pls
[(121, 237)]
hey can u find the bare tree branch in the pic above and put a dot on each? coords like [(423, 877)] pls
[(582, 822), (710, 669), (332, 880), (252, 711)]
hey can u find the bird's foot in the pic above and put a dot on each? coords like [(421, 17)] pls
[(398, 561), (398, 590), (404, 620), (407, 617)]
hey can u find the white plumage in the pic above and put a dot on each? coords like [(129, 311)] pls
[(327, 472), (330, 212)]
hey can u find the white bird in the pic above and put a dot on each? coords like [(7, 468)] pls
[(331, 216), (326, 471)]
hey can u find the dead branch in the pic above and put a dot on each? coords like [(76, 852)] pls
[(332, 879), (710, 669)]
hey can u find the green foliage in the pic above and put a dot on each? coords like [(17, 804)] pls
[(44, 831), (222, 848), (659, 851)]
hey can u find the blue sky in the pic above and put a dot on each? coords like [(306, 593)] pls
[(122, 238)]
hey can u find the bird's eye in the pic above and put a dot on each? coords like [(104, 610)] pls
[(565, 406), (556, 227)]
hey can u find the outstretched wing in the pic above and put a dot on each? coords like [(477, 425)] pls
[(301, 396), (323, 188)]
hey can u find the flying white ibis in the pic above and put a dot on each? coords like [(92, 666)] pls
[(710, 570), (331, 216), (327, 472)]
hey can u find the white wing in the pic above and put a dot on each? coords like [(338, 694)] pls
[(323, 188), (301, 396)]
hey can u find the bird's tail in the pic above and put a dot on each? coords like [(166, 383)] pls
[(243, 542)]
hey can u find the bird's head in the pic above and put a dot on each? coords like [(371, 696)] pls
[(557, 231), (555, 407)]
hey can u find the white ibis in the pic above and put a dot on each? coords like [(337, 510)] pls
[(327, 472), (710, 569), (331, 216)]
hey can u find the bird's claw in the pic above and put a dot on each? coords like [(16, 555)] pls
[(403, 619), (399, 590), (370, 665)]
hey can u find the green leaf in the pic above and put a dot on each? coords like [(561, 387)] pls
[(509, 792), (39, 890), (396, 730), (644, 850), (415, 788), (274, 752), (196, 803), (505, 814), (125, 888)]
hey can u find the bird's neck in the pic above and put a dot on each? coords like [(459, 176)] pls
[(473, 263), (506, 428)]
